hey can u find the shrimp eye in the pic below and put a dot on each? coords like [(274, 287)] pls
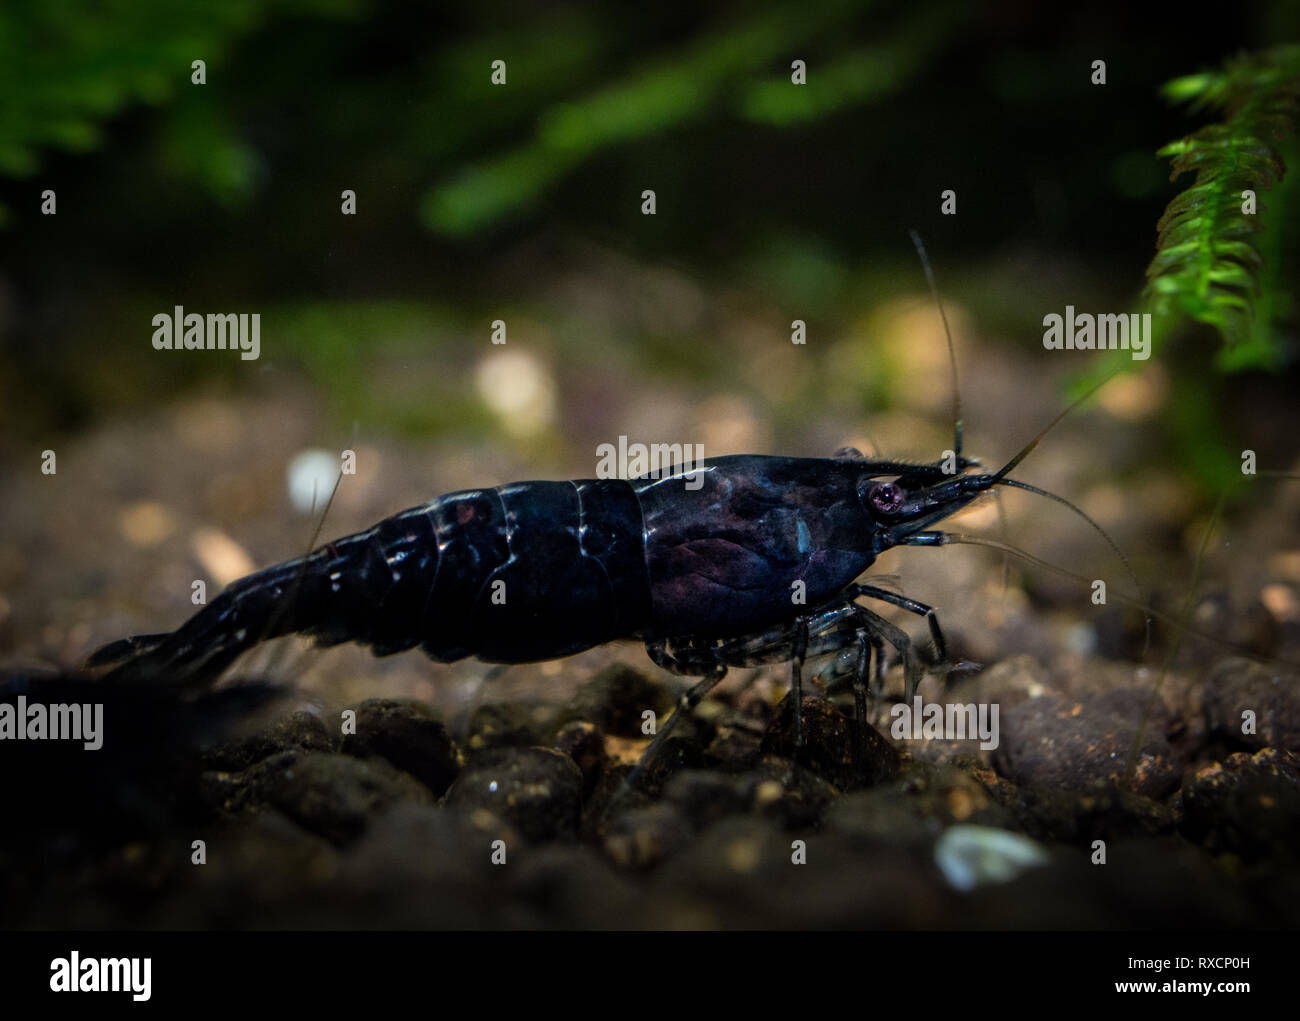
[(886, 497)]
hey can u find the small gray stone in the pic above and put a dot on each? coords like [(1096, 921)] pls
[(1007, 683), (643, 837), (328, 794), (828, 745), (585, 744), (409, 736), (300, 730), (1070, 743), (1247, 805), (706, 795), (501, 725), (1271, 694), (615, 699), (538, 791), (736, 744)]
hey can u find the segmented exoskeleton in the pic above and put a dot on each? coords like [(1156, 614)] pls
[(735, 561)]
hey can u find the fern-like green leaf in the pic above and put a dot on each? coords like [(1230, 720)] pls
[(1208, 258)]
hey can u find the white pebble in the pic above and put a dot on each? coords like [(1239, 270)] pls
[(311, 476), (971, 856)]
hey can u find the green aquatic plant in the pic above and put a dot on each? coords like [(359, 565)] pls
[(729, 71), (1218, 256), (68, 69)]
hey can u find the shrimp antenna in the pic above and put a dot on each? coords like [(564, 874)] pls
[(1028, 448), (957, 423), (1132, 576), (1001, 477), (1172, 620), (295, 588)]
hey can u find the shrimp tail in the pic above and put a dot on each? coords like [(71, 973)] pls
[(264, 605)]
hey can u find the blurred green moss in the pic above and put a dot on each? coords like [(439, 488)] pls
[(475, 199), (66, 67)]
